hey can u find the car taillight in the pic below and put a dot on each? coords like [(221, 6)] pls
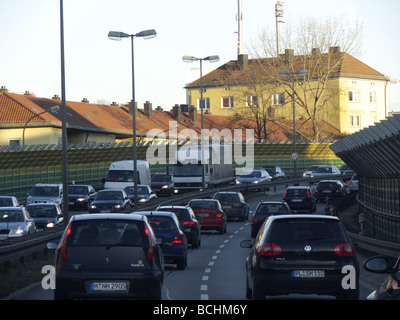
[(350, 183), (188, 223), (63, 243), (255, 220), (151, 249), (177, 239), (219, 214), (270, 249), (344, 250)]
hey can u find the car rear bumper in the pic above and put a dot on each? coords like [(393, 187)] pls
[(141, 285)]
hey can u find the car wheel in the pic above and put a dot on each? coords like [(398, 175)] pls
[(256, 293), (182, 263)]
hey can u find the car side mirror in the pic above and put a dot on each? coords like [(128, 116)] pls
[(246, 244), (52, 245), (378, 264)]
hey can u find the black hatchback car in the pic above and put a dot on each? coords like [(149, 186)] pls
[(233, 204), (301, 254), (80, 196), (264, 210), (333, 189), (188, 223), (106, 256), (300, 198)]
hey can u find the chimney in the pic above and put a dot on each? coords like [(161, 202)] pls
[(114, 104), (316, 51), (28, 93), (85, 100), (56, 97), (192, 114), (289, 56), (334, 49), (131, 108), (148, 110), (3, 89), (243, 61), (177, 112)]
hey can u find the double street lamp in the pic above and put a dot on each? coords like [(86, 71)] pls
[(210, 59), (146, 34), (287, 73)]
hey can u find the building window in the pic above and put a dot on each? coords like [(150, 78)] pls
[(14, 142), (372, 100), (354, 120), (354, 96), (278, 99), (206, 104), (227, 102), (252, 101)]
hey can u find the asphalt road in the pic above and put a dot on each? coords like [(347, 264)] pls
[(216, 270)]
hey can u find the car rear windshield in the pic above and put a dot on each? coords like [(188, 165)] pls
[(296, 192), (227, 198), (268, 209), (107, 232), (162, 223), (327, 185), (182, 214), (204, 204), (306, 229)]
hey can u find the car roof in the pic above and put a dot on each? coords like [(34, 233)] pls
[(227, 192), (105, 216), (155, 213), (302, 216), (272, 202), (111, 190), (298, 187), (42, 204), (331, 181), (203, 200), (173, 207)]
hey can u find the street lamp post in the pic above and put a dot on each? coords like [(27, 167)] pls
[(146, 34), (286, 73), (53, 109), (211, 59)]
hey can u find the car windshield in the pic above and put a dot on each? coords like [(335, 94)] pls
[(140, 190), (254, 174), (187, 170), (324, 170), (109, 195), (107, 232), (11, 216), (5, 202), (77, 190), (162, 223), (204, 204), (44, 191), (227, 198), (306, 229), (271, 170), (120, 176), (327, 185), (42, 211), (161, 178)]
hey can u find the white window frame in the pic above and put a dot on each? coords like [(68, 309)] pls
[(206, 104), (354, 96), (355, 120), (252, 101), (230, 102), (372, 100), (278, 99), (16, 140)]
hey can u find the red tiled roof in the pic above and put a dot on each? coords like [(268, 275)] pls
[(17, 109)]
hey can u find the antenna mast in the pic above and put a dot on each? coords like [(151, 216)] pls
[(240, 27)]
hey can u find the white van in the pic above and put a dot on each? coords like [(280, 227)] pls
[(120, 174)]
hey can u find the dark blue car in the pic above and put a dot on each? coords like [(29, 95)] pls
[(169, 236), (45, 215), (300, 198)]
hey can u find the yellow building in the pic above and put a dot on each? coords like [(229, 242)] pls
[(337, 89)]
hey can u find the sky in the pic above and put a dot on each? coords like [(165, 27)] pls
[(100, 70)]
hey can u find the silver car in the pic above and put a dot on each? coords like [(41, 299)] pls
[(326, 171), (254, 177), (15, 222)]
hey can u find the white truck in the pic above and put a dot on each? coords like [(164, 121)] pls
[(120, 174), (187, 170)]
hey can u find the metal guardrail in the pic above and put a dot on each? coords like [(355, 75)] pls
[(19, 249)]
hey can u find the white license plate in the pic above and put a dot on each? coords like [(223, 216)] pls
[(202, 215), (308, 273), (226, 207), (297, 200), (327, 191), (109, 286), (71, 203), (159, 240)]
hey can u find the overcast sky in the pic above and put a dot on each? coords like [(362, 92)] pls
[(99, 69)]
